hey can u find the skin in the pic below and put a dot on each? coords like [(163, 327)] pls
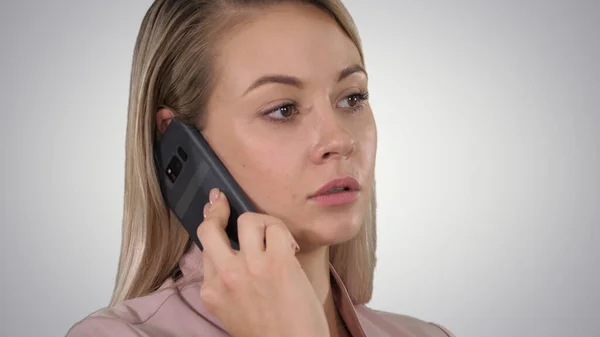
[(282, 155)]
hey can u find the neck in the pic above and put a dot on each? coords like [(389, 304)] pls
[(315, 264)]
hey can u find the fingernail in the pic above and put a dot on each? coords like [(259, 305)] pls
[(296, 247), (214, 195)]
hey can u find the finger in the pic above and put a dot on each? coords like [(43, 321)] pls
[(213, 296), (251, 233), (208, 268), (219, 207), (211, 231), (279, 239)]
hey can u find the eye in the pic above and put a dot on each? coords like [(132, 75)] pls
[(282, 112), (353, 101)]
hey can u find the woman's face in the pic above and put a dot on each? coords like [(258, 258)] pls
[(288, 116)]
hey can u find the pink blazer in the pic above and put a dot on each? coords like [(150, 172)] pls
[(176, 310)]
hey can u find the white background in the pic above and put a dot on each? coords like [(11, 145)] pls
[(488, 161)]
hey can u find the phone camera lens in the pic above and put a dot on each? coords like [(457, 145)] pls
[(182, 154)]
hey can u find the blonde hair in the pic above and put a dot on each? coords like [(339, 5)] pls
[(171, 68)]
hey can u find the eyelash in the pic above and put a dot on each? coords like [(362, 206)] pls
[(362, 97)]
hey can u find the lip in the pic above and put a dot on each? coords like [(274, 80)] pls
[(349, 182), (339, 198)]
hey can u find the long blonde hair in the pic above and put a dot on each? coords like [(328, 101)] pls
[(172, 68)]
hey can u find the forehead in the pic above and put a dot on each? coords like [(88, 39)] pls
[(296, 40)]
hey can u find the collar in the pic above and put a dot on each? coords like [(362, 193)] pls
[(192, 271)]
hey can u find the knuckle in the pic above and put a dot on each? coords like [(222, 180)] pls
[(256, 267), (200, 230), (278, 227), (274, 262), (231, 278), (207, 228), (209, 296), (203, 229), (275, 269), (246, 218)]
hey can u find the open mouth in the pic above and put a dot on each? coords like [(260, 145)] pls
[(337, 190), (337, 186)]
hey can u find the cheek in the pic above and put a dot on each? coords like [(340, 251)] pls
[(268, 170), (367, 138)]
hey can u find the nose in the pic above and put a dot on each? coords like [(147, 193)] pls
[(334, 139)]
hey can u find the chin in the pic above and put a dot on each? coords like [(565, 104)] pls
[(332, 229)]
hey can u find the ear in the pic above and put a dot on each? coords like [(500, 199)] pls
[(163, 119)]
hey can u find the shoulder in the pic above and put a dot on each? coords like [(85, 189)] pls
[(414, 324), (123, 319), (164, 312), (387, 321), (100, 326)]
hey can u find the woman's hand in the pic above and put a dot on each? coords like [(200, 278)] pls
[(258, 291)]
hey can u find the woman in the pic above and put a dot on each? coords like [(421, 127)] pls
[(279, 90)]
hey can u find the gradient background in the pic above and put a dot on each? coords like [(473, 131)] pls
[(488, 163)]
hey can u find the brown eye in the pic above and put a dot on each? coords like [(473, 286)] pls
[(283, 112), (286, 111), (353, 100)]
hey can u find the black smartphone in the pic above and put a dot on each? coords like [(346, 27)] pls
[(188, 169)]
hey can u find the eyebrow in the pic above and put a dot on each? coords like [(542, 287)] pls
[(296, 82)]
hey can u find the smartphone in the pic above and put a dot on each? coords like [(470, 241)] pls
[(188, 169)]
